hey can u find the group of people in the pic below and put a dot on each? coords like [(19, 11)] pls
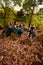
[(18, 29)]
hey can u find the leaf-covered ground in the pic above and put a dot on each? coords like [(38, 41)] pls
[(23, 51)]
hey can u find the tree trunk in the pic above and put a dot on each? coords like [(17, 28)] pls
[(32, 13), (4, 17)]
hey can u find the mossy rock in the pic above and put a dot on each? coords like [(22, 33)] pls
[(13, 36)]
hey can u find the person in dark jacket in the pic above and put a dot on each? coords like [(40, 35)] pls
[(31, 32), (9, 30)]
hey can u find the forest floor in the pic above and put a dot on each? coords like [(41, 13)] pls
[(23, 50)]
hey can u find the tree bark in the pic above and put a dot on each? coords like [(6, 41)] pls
[(32, 13), (4, 17)]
